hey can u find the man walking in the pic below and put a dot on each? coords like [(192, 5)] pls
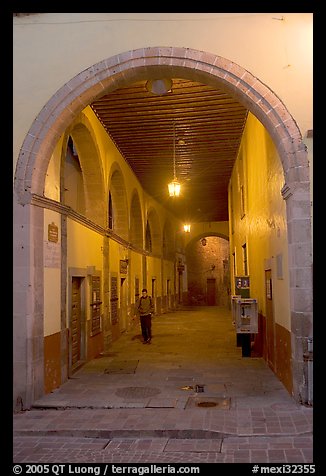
[(145, 309)]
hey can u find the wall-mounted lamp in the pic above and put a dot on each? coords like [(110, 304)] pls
[(186, 228)]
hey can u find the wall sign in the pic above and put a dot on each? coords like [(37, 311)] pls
[(242, 286), (123, 266), (53, 232)]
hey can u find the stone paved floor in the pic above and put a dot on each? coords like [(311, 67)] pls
[(141, 403)]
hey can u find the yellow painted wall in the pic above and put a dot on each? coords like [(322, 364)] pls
[(84, 246), (168, 273), (116, 254), (110, 159), (52, 178), (135, 269), (83, 249), (110, 154), (52, 276), (263, 226), (154, 272)]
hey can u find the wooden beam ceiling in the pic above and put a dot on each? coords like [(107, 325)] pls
[(209, 125)]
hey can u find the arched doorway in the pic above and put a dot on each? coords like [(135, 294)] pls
[(106, 76), (207, 258)]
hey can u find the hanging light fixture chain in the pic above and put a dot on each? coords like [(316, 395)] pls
[(174, 170), (174, 186)]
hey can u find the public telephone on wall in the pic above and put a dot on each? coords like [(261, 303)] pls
[(246, 315), (244, 309)]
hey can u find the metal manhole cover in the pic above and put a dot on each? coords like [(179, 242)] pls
[(137, 392), (209, 402), (206, 404)]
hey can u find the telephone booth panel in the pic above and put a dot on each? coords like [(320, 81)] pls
[(234, 306), (246, 316)]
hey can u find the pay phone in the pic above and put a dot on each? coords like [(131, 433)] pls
[(246, 316), (246, 321)]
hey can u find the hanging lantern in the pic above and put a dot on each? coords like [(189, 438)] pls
[(174, 186)]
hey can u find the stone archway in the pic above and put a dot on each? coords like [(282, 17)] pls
[(136, 221), (207, 258), (155, 230), (147, 63), (119, 198)]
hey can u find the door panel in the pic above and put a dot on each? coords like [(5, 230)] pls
[(270, 324), (75, 327), (114, 302), (96, 305), (123, 305), (211, 291)]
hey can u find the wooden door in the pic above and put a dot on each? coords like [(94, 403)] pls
[(123, 305), (114, 301), (75, 327), (168, 294), (153, 294), (270, 323), (211, 291), (96, 305), (180, 286)]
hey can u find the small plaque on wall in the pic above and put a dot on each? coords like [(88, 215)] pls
[(53, 232), (123, 266)]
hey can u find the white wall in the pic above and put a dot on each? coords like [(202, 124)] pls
[(49, 49)]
